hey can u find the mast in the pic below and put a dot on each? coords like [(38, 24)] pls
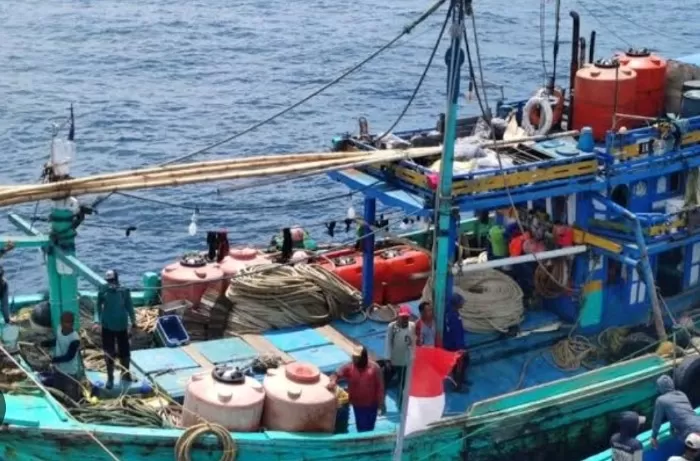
[(446, 221)]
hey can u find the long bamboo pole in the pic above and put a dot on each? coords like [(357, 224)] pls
[(219, 170)]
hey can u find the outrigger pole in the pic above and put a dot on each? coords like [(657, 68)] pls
[(446, 222)]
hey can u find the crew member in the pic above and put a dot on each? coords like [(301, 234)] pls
[(692, 449), (674, 406), (453, 339), (425, 326), (66, 362), (365, 388), (624, 444), (4, 289), (114, 309), (400, 338)]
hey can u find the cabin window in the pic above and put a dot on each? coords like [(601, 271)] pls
[(669, 275), (674, 182), (620, 195), (694, 265), (638, 289)]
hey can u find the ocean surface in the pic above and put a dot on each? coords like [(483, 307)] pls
[(152, 80)]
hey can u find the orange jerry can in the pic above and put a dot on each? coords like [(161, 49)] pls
[(407, 270)]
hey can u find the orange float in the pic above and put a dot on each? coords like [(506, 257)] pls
[(601, 90), (395, 271), (347, 264), (404, 263), (189, 278), (651, 81)]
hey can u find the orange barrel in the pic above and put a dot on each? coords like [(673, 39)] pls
[(403, 264), (602, 89), (651, 81), (347, 264), (189, 278)]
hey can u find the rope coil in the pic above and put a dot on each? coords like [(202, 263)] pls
[(183, 447), (492, 301)]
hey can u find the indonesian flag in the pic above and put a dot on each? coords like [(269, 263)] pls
[(426, 395)]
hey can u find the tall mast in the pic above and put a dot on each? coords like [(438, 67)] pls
[(446, 220)]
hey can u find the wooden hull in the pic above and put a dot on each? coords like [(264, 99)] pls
[(567, 425)]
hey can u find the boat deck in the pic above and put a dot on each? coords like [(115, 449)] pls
[(499, 365)]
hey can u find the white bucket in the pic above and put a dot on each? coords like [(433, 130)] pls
[(10, 335)]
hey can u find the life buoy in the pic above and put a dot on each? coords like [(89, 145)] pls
[(556, 100), (687, 379), (545, 117)]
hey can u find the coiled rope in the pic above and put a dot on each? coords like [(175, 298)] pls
[(183, 447), (551, 277), (493, 302), (288, 296)]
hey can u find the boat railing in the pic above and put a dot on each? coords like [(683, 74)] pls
[(664, 141)]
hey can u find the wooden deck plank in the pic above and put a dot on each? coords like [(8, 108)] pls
[(340, 340), (263, 346), (197, 357)]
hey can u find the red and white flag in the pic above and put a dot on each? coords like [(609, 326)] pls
[(426, 400)]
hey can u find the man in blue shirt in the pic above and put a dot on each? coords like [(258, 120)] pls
[(453, 338), (624, 444)]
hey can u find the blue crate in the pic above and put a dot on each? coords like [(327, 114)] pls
[(171, 332)]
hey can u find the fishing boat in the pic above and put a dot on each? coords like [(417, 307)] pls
[(593, 214)]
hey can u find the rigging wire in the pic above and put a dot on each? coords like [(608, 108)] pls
[(420, 80), (632, 21), (542, 43), (406, 30), (227, 208), (603, 24)]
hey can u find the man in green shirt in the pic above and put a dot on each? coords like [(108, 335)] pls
[(112, 314)]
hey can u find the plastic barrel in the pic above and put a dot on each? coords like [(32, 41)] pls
[(690, 107), (691, 85)]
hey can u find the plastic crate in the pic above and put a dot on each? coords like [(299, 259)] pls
[(171, 332)]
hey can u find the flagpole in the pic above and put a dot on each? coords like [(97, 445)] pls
[(398, 450)]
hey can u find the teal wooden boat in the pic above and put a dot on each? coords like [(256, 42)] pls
[(539, 387)]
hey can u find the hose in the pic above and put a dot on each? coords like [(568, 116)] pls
[(493, 302), (551, 277), (185, 442), (286, 296)]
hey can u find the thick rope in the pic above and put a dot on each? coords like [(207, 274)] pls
[(493, 302), (288, 296), (183, 447)]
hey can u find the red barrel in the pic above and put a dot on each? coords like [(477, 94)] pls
[(651, 81), (601, 90)]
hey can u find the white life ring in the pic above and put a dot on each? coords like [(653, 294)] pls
[(546, 116)]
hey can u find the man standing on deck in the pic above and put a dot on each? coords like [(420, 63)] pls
[(66, 361), (425, 326), (113, 311), (674, 406), (365, 388), (400, 338), (4, 288), (453, 338)]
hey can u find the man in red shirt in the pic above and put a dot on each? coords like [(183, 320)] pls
[(365, 388)]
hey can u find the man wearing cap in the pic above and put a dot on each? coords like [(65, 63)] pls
[(400, 338), (624, 444), (113, 311), (674, 406), (4, 288), (365, 388), (692, 449)]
